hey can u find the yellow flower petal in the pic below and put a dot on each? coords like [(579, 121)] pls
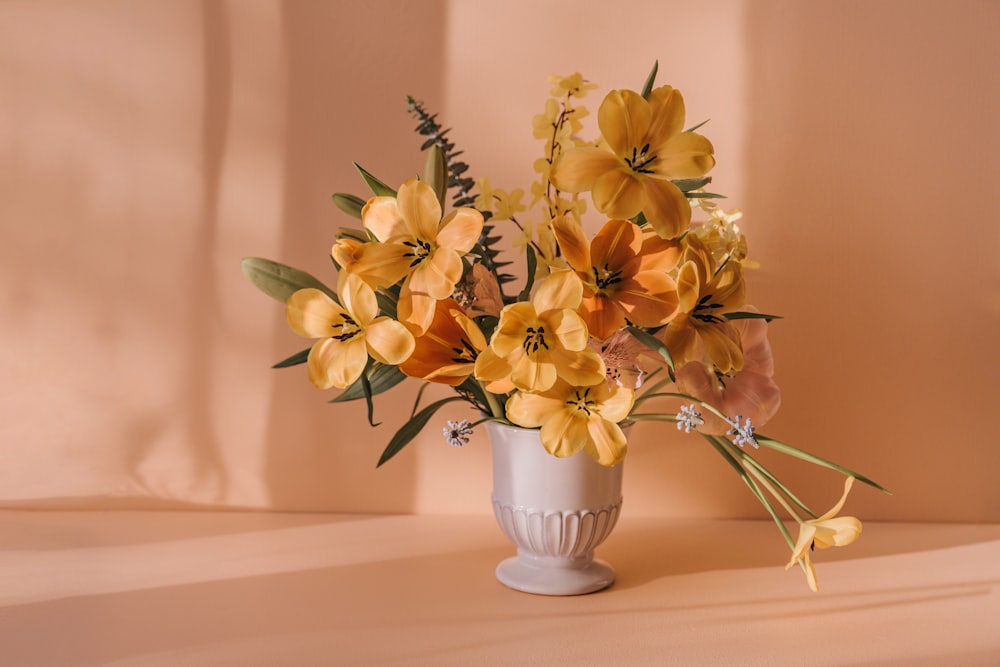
[(607, 444), (533, 410), (389, 342), (582, 369), (357, 298), (618, 193), (491, 367), (437, 275), (667, 105), (685, 155), (460, 230), (533, 372), (558, 290), (415, 310), (345, 368), (420, 209), (577, 169), (312, 314), (569, 329), (624, 118), (666, 208), (564, 434), (382, 218)]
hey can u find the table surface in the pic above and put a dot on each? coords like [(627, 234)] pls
[(210, 588)]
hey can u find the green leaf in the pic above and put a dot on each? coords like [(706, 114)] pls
[(743, 315), (366, 388), (705, 195), (386, 304), (653, 343), (381, 377), (349, 204), (378, 187), (692, 129), (647, 87), (436, 173), (688, 184), (295, 359), (764, 441), (279, 281), (413, 427), (532, 260)]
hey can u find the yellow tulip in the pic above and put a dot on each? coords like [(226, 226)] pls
[(349, 332), (535, 342), (415, 243), (826, 531), (646, 148), (575, 417)]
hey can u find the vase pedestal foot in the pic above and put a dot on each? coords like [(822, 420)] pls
[(522, 575)]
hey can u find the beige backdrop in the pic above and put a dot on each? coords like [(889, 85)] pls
[(145, 147)]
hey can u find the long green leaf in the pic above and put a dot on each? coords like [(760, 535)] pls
[(381, 377), (653, 343), (295, 359), (721, 445), (279, 281), (647, 87), (349, 204), (436, 173), (743, 315), (811, 458), (411, 428), (532, 261), (688, 184), (366, 388), (378, 187)]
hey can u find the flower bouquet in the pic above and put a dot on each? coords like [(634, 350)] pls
[(653, 306)]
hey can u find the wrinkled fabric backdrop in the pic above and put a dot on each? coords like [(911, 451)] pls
[(145, 147)]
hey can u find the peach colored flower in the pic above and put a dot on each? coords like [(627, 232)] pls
[(749, 392)]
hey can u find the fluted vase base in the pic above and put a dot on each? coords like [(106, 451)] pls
[(555, 510), (567, 578)]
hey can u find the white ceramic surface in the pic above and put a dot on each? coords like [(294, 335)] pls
[(557, 511)]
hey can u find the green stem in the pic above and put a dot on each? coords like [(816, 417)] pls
[(495, 408)]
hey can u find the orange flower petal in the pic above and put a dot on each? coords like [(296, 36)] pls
[(616, 244), (573, 242), (649, 298)]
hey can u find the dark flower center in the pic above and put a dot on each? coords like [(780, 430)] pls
[(640, 159)]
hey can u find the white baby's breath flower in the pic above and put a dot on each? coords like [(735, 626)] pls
[(457, 433)]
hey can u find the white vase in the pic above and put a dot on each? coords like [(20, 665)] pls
[(556, 510)]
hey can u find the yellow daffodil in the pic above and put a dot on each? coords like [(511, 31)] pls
[(447, 351), (348, 332), (535, 342), (646, 148), (624, 274), (413, 241), (826, 531), (706, 293), (576, 417)]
